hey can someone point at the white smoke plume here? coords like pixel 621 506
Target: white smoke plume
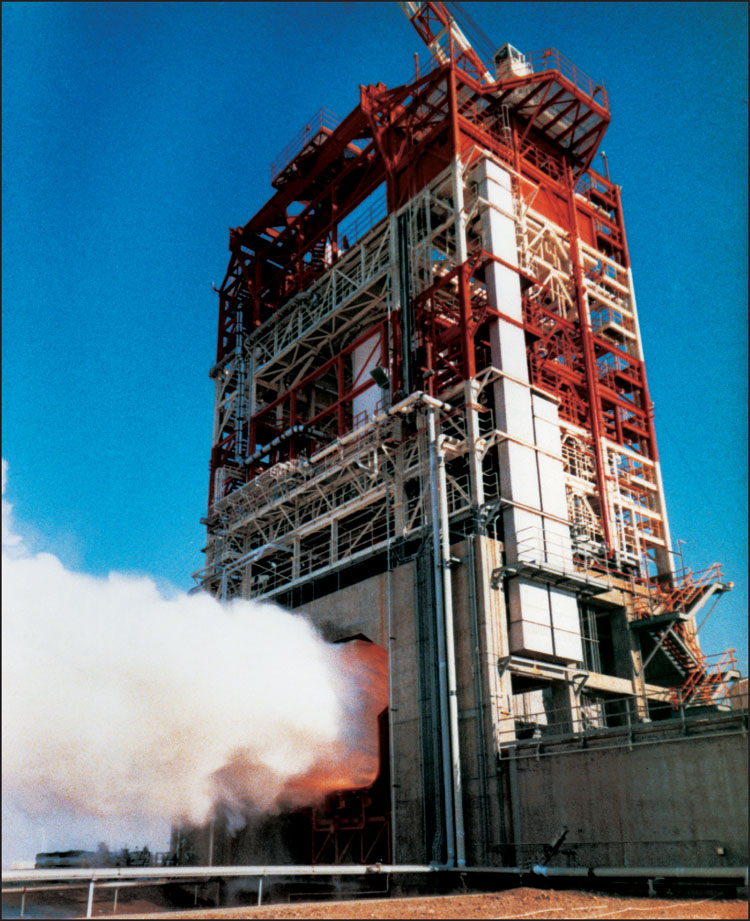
pixel 124 710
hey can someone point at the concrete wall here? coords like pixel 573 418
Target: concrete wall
pixel 397 612
pixel 670 803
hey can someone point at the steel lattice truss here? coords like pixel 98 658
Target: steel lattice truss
pixel 303 519
pixel 297 301
pixel 263 382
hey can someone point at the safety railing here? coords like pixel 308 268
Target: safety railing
pixel 603 319
pixel 366 415
pixel 535 545
pixel 590 183
pixel 552 166
pixel 551 59
pixel 708 684
pixel 351 231
pixel 323 122
pixel 534 718
pixel 661 601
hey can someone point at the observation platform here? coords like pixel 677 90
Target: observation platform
pixel 658 620
pixel 550 574
pixel 555 98
pixel 297 157
pixel 315 133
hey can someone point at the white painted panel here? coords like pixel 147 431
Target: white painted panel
pixel 503 284
pixel 543 621
pixel 535 602
pixel 515 411
pixel 530 628
pixel 522 479
pixel 552 481
pixel 364 358
pixel 564 610
pixel 547 422
pixel 529 600
pixel 507 342
pixel 530 639
pixel 568 647
pixel 566 625
pixel 527 477
pixel 522 534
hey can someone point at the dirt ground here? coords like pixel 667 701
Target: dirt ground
pixel 512 903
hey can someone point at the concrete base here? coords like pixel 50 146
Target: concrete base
pixel 675 796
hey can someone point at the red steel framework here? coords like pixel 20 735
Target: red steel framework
pixel 544 120
pixel 404 137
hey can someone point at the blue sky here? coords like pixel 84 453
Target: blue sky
pixel 136 134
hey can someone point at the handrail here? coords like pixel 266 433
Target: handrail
pixel 706 683
pixel 665 602
pixel 322 121
pixel 530 720
pixel 551 59
pixel 354 229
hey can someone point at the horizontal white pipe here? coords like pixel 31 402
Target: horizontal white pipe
pixel 401 407
pixel 160 873
pixel 99 873
pixel 111 884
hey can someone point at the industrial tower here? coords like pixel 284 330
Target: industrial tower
pixel 433 429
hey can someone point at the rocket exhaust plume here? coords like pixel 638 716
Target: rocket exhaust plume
pixel 125 711
pixel 353 761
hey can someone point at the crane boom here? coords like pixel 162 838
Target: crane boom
pixel 436 27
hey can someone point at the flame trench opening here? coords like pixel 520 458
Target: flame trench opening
pixel 337 810
pixel 354 762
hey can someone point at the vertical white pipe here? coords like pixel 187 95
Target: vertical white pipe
pixel 458 808
pixel 446 651
pixel 462 255
pixel 90 902
pixel 457 185
pixel 442 664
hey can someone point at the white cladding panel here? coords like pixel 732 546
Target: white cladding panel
pixel 530 639
pixel 364 358
pixel 552 480
pixel 530 601
pixel 503 285
pixel 566 626
pixel 543 620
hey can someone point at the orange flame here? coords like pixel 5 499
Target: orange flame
pixel 354 762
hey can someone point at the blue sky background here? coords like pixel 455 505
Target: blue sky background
pixel 135 134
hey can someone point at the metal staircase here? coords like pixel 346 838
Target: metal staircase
pixel 667 615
